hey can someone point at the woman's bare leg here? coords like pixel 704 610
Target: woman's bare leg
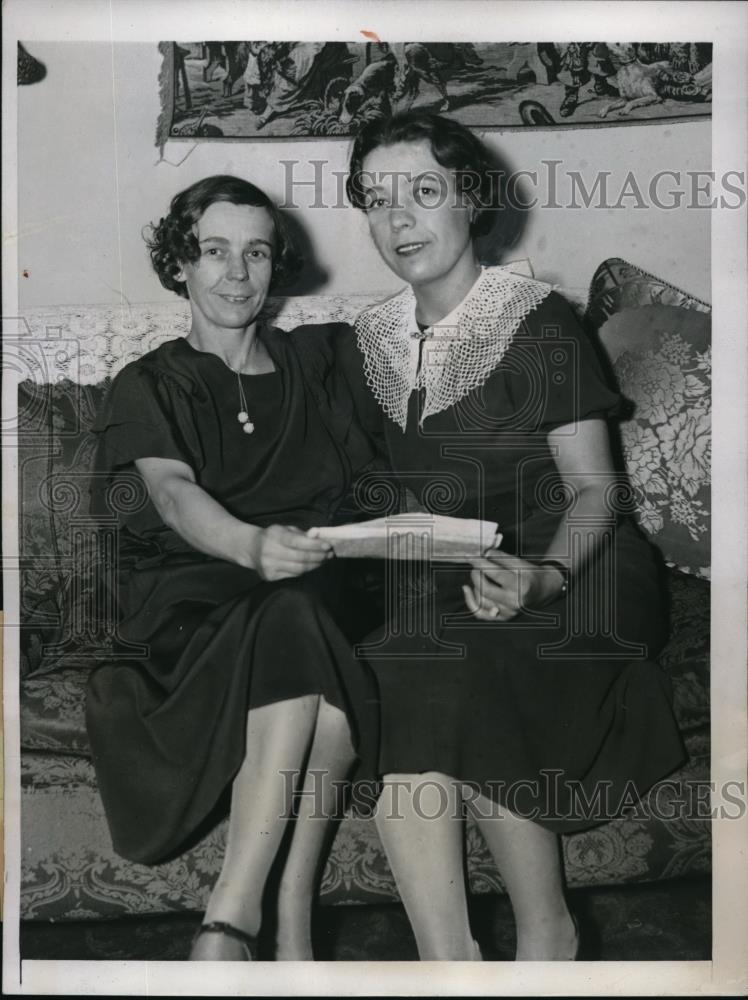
pixel 278 739
pixel 329 762
pixel 420 823
pixel 529 860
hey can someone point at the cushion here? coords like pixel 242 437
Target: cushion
pixel 662 363
pixel 617 285
pixel 658 342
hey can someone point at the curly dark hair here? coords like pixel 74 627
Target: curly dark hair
pixel 172 242
pixel 452 145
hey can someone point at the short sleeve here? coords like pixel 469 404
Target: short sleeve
pixel 137 421
pixel 561 371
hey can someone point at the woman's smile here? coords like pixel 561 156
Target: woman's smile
pixel 408 249
pixel 235 300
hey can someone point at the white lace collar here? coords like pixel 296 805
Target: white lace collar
pixel 461 350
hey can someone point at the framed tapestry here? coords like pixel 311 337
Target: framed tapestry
pixel 265 90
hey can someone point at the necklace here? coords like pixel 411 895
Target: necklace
pixel 243 416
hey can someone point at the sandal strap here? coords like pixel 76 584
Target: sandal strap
pixel 221 927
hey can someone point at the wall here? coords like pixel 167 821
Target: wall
pixel 90 178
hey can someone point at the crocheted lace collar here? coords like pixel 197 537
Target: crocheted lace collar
pixel 459 353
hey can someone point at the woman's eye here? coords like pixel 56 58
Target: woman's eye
pixel 376 203
pixel 258 254
pixel 212 252
pixel 427 194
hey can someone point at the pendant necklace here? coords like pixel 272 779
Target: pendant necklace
pixel 243 416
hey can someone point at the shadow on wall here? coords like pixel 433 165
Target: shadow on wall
pixel 313 277
pixel 513 200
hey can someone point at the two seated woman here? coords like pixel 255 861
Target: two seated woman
pixel 473 379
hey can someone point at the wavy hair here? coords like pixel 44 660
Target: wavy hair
pixel 452 145
pixel 172 242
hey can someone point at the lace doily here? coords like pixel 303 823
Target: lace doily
pixel 461 351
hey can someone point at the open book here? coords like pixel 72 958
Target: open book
pixel 412 536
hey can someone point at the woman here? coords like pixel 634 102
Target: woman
pixel 528 691
pixel 239 677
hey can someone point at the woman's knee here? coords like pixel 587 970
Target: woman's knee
pixel 332 718
pixel 420 778
pixel 290 712
pixel 292 604
pixel 427 795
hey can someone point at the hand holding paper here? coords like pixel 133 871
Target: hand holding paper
pixel 413 536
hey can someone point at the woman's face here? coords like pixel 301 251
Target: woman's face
pixel 229 282
pixel 419 223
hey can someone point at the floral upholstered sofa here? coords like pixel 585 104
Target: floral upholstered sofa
pixel 655 342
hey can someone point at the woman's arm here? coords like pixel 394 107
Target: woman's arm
pixel 276 552
pixel 509 583
pixel 584 462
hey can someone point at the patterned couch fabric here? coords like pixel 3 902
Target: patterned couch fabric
pixel 71 873
pixel 69 870
pixel 685 658
pixel 53 712
pixel 63 610
pixel 658 341
pixel 86 344
pixel 667 441
pixel 618 285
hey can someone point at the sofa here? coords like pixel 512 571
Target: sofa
pixel 654 341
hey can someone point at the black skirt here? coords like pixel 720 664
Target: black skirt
pixel 168 731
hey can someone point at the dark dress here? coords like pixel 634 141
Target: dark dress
pixel 167 722
pixel 545 711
